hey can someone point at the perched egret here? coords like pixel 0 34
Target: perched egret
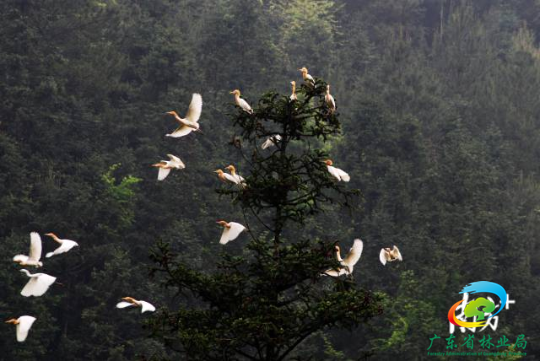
pixel 307 78
pixel 23 326
pixel 231 230
pixel 293 95
pixel 37 285
pixel 239 179
pixel 271 141
pixel 390 255
pixel 191 122
pixel 65 245
pixel 131 302
pixel 241 102
pixel 225 177
pixel 336 172
pixel 35 253
pixel 165 166
pixel 349 262
pixel 330 102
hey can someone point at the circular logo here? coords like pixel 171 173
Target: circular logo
pixel 479 306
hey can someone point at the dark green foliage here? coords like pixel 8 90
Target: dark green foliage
pixel 438 108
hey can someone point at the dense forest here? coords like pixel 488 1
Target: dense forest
pixel 439 129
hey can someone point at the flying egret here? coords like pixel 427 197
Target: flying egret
pixel 231 230
pixel 293 95
pixel 191 122
pixel 239 179
pixel 65 245
pixel 35 253
pixel 336 172
pixel 37 285
pixel 349 262
pixel 390 255
pixel 271 141
pixel 305 75
pixel 165 166
pixel 241 102
pixel 23 326
pixel 330 102
pixel 131 302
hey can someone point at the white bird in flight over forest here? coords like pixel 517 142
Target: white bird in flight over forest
pixel 349 262
pixel 165 166
pixel 241 102
pixel 305 75
pixel 35 253
pixel 131 302
pixel 330 102
pixel 293 95
pixel 271 141
pixel 23 324
pixel 231 230
pixel 38 284
pixel 390 255
pixel 65 245
pixel 339 174
pixel 191 121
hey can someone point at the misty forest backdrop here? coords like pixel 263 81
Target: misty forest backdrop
pixel 440 113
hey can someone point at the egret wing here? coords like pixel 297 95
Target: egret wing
pixel 333 171
pixel 235 230
pixel 195 108
pixel 245 106
pixel 176 160
pixel 123 304
pixel 230 178
pixel 397 253
pixel 354 253
pixel 180 132
pixel 35 247
pixel 37 286
pixel 25 322
pixel 224 236
pixel 342 175
pixel 20 258
pixel 163 173
pixel 382 256
pixel 335 273
pixel 146 306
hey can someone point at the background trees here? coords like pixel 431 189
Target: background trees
pixel 439 112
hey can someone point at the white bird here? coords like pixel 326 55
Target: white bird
pixel 238 178
pixel 231 230
pixel 37 285
pixel 241 102
pixel 225 177
pixel 65 245
pixel 35 253
pixel 390 255
pixel 349 262
pixel 165 166
pixel 330 102
pixel 293 95
pixel 191 121
pixel 271 141
pixel 307 78
pixel 339 174
pixel 131 302
pixel 23 326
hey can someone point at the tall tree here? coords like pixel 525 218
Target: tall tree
pixel 263 303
